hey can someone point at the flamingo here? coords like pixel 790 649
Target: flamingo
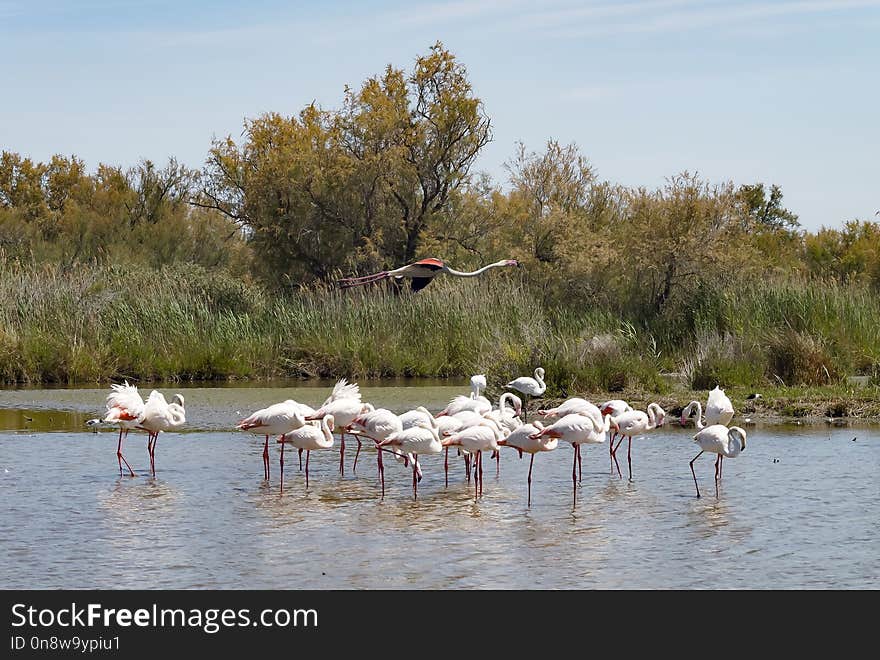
pixel 461 403
pixel 634 423
pixel 277 419
pixel 575 429
pixel 478 383
pixel 377 425
pixel 159 415
pixel 410 417
pixel 614 407
pixel 506 418
pixel 521 440
pixel 528 385
pixel 477 439
pixel 308 437
pixel 423 438
pixel 125 408
pixel 718 439
pixel 420 273
pixel 719 410
pixel 344 403
pixel 575 405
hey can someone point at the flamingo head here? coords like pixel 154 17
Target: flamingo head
pixel 330 422
pixel 607 410
pixel 511 262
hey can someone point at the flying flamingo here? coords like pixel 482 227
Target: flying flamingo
pixel 125 408
pixel 521 440
pixel 308 437
pixel 634 423
pixel 423 438
pixel 377 425
pixel 159 415
pixel 529 386
pixel 277 419
pixel 420 273
pixel 615 408
pixel 718 439
pixel 575 429
pixel 476 439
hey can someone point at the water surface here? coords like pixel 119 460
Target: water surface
pixel 798 509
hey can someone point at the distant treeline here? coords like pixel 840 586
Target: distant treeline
pixel 694 273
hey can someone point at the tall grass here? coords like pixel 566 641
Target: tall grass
pixel 93 324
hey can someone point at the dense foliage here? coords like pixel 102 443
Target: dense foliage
pixel 166 271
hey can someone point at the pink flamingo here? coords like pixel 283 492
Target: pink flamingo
pixel 521 440
pixel 634 423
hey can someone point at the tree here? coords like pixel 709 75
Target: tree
pixel 357 186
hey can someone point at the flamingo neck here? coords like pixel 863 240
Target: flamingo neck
pixel 479 271
pixel 698 420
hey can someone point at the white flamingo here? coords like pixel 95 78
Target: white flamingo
pixel 461 403
pixel 309 438
pixel 718 439
pixel 572 406
pixel 377 425
pixel 423 438
pixel 410 417
pixel 719 410
pixel 277 419
pixel 633 423
pixel 478 384
pixel 125 409
pixel 344 403
pixel 615 408
pixel 159 415
pixel 575 429
pixel 521 440
pixel 475 440
pixel 529 386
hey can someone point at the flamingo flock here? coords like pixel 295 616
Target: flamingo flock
pixel 469 423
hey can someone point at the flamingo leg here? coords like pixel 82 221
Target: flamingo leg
pixel 266 459
pixel 308 454
pixel 629 459
pixel 694 473
pixel 381 466
pixel 119 455
pixel 497 463
pixel 717 460
pixel 480 465
pixel 415 481
pixel 579 462
pixel 281 467
pixel 574 473
pixel 341 452
pixel 300 452
pixel 720 464
pixel 446 465
pixel 467 467
pixel 153 452
pixel 531 463
pixel 613 456
pixel 356 454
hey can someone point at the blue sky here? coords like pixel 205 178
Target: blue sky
pixel 781 92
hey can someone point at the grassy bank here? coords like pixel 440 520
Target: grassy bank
pixel 97 324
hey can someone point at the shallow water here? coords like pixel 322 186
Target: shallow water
pixel 798 509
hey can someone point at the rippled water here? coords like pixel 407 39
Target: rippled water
pixel 798 509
